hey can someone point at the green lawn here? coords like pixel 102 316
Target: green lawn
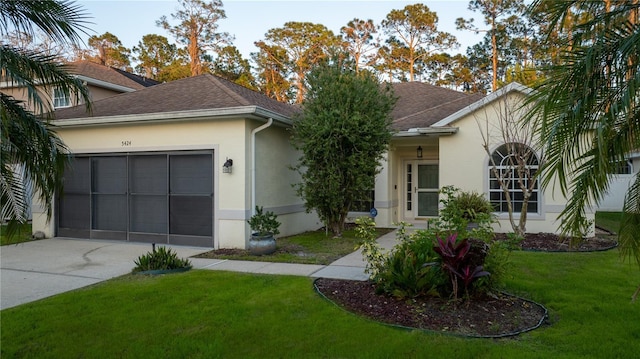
pixel 207 314
pixel 316 247
pixel 609 220
pixel 23 235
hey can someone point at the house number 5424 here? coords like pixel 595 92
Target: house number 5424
pixel 126 143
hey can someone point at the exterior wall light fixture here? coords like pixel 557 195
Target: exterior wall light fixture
pixel 227 166
pixel 419 152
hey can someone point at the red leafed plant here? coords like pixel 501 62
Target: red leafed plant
pixel 454 262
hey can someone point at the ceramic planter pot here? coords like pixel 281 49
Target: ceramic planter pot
pixel 261 245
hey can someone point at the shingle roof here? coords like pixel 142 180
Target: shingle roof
pixel 110 75
pixel 202 92
pixel 421 105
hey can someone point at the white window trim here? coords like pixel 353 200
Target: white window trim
pixel 56 98
pixel 538 215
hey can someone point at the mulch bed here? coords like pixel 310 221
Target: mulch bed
pixel 496 316
pixel 493 317
pixel 549 242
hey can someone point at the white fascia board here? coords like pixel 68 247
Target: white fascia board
pixel 514 86
pixel 104 84
pixel 88 80
pixel 415 132
pixel 230 112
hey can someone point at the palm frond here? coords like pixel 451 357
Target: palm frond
pixel 628 238
pixel 32 70
pixel 33 147
pixel 60 19
pixel 588 114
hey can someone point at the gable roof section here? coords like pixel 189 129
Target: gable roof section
pixel 109 77
pixel 421 105
pixel 503 91
pixel 204 95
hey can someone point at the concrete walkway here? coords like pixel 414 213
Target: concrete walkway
pixel 39 269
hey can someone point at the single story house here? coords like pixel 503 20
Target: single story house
pixel 185 162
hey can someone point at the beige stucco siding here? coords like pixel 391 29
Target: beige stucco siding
pixel 20 93
pixel 225 137
pixel 274 179
pixel 98 93
pixel 229 139
pixel 464 164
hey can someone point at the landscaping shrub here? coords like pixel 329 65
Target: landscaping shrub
pixel 160 259
pixel 444 259
pixel 411 268
pixel 469 214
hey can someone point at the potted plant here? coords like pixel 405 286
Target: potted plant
pixel 264 226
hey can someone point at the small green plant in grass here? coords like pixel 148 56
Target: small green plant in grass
pixel 160 259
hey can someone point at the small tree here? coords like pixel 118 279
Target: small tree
pixel 513 161
pixel 343 132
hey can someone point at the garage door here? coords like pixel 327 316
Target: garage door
pixel 149 197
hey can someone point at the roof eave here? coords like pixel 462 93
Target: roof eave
pixel 252 112
pixel 104 84
pixel 427 131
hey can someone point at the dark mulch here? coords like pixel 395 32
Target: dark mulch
pixel 549 242
pixel 502 315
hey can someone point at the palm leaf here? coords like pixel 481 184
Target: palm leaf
pixel 588 115
pixel 628 238
pixel 31 146
pixel 60 19
pixel 32 70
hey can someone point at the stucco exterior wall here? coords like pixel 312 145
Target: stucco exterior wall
pixel 464 164
pixel 232 191
pixel 98 93
pixel 226 138
pixel 20 93
pixel 274 179
pixel 613 201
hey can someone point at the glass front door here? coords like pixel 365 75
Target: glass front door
pixel 421 190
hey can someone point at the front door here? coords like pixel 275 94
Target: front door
pixel 421 190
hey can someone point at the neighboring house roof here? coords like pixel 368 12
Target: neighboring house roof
pixel 421 105
pixel 110 77
pixel 203 95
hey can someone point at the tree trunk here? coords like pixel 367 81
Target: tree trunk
pixel 194 55
pixel 494 60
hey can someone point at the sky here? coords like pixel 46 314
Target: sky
pixel 249 20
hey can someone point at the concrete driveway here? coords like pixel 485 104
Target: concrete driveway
pixel 39 269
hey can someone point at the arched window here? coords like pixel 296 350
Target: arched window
pixel 513 166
